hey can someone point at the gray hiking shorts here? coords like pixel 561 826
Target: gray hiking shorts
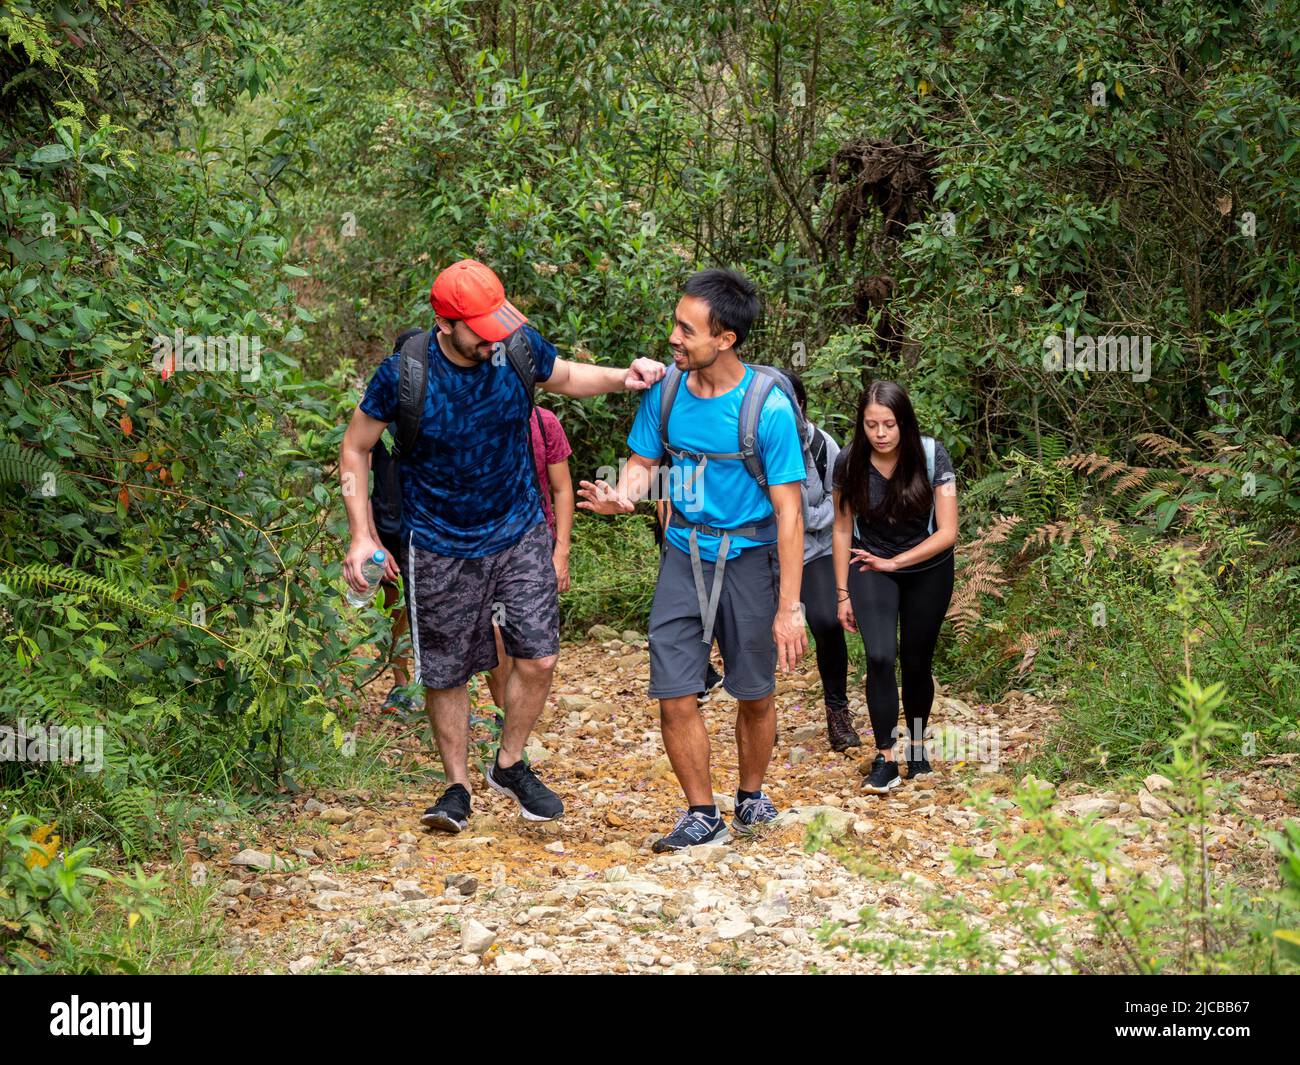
pixel 453 603
pixel 747 605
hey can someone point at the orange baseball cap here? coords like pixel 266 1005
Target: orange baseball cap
pixel 470 292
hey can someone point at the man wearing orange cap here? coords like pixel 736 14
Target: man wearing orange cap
pixel 478 546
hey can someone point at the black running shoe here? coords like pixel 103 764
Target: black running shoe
pixel 536 801
pixel 451 812
pixel 692 830
pixel 711 680
pixel 884 777
pixel 917 766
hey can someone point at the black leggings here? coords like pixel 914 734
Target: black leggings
pixel 819 607
pixel 913 605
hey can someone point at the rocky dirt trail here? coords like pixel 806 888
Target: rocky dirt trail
pixel 351 882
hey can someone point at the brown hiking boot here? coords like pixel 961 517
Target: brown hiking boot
pixel 839 725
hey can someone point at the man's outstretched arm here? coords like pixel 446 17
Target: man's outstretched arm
pixel 633 484
pixel 580 379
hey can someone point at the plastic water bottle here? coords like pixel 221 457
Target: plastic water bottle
pixel 372 570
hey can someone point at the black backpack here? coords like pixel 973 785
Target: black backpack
pixel 412 384
pixel 818 448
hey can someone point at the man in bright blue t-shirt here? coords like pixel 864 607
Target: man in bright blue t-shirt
pixel 479 549
pixel 748 597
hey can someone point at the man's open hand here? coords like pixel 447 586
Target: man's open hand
pixel 600 498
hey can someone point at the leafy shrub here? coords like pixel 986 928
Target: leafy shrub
pixel 614 564
pixel 1062 875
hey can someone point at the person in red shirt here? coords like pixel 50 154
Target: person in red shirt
pixel 551 453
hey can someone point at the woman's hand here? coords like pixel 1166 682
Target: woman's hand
pixel 845 614
pixel 869 561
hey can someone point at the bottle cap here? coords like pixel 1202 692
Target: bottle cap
pixel 378 556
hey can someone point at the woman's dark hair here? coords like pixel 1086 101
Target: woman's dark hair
pixel 732 298
pixel 909 493
pixel 800 393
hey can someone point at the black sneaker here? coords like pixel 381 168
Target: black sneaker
pixel 884 777
pixel 917 766
pixel 536 801
pixel 692 830
pixel 711 680
pixel 451 812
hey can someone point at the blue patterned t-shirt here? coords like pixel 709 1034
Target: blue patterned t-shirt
pixel 468 487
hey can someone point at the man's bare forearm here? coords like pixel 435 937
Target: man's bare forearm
pixel 789 550
pixel 354 476
pixel 582 380
pixel 634 481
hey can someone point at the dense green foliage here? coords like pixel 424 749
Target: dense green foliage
pixel 924 189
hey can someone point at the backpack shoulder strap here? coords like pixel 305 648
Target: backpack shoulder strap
pixel 751 409
pixel 541 428
pixel 760 386
pixel 520 354
pixel 672 381
pixel 819 450
pixel 927 442
pixel 412 382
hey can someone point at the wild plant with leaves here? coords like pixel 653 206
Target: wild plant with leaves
pixel 1073 900
pixel 166 555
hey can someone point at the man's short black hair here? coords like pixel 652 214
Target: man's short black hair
pixel 732 298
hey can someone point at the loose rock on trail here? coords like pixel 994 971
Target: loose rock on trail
pixel 350 881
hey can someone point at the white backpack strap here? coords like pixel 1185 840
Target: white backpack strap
pixel 927 442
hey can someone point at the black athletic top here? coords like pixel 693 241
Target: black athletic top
pixel 885 540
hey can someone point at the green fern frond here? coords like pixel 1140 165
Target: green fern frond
pixel 132 813
pixel 36 470
pixel 42 696
pixel 47 576
pixel 263 646
pixel 1051 448
pixel 988 486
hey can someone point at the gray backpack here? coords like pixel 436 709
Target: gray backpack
pixel 761 383
pixel 760 386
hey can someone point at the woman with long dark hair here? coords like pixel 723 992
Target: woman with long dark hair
pixel 895 528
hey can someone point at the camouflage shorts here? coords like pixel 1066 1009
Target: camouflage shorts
pixel 455 601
